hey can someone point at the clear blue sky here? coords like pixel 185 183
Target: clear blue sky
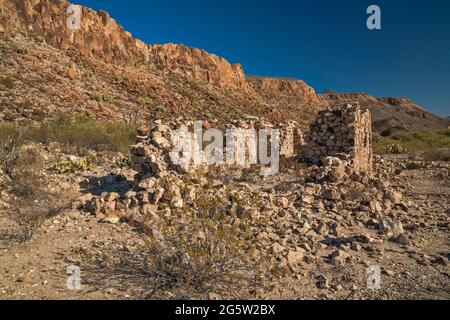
pixel 324 42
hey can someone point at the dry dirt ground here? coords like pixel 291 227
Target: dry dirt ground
pixel 419 270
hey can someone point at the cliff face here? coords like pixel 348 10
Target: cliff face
pixel 198 64
pixel 101 37
pixel 288 87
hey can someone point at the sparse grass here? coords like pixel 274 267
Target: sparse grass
pixel 79 133
pixel 413 141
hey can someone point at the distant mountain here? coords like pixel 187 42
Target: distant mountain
pixel 392 114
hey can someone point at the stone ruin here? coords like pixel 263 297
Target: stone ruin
pixel 344 132
pixel 340 141
pixel 151 156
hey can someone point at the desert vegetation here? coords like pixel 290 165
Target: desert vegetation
pixel 28 200
pixel 77 133
pixel 431 143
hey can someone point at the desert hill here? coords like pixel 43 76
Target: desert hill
pixel 390 115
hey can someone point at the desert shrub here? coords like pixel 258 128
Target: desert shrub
pixel 39 39
pixel 72 166
pixel 193 258
pixel 123 79
pixel 122 161
pixel 101 97
pixel 394 149
pixel 143 101
pixel 9 152
pixel 87 73
pixel 28 201
pixel 22 51
pixel 160 108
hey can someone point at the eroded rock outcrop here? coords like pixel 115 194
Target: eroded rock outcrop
pixel 101 37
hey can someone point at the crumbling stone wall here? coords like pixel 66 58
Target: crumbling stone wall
pixel 151 156
pixel 343 130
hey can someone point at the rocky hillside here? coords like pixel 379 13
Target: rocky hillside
pixel 102 71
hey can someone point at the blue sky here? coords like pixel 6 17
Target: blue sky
pixel 324 42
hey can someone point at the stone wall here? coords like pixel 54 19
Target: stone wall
pixel 151 156
pixel 342 131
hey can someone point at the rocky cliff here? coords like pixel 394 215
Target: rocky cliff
pixel 101 37
pixel 103 70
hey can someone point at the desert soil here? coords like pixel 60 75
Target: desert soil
pixel 418 270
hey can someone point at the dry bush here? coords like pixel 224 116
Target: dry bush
pixel 186 258
pixel 28 201
pixel 193 258
pixel 9 152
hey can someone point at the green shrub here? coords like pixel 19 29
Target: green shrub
pixel 39 39
pixel 22 51
pixel 122 79
pixel 72 166
pixel 122 162
pixel 160 108
pixel 87 73
pixel 101 97
pixel 143 101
